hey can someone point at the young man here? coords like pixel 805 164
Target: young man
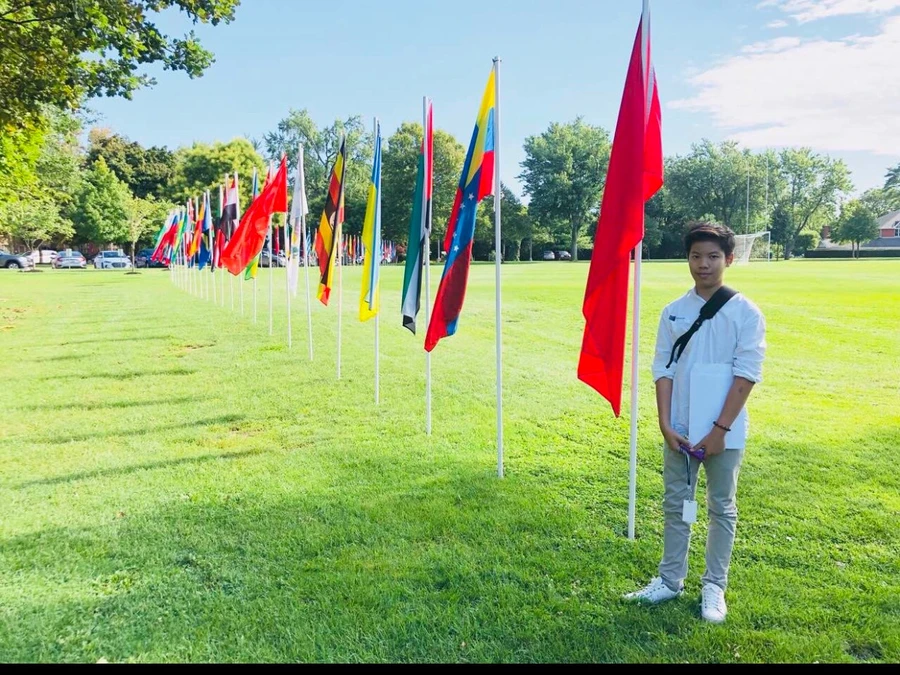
pixel 733 338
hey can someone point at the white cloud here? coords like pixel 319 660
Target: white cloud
pixel 804 11
pixel 777 24
pixel 772 46
pixel 832 95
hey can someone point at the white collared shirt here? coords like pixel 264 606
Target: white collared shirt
pixel 736 336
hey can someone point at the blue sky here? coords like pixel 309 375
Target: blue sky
pixel 766 72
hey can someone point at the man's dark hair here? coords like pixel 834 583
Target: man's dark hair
pixel 706 231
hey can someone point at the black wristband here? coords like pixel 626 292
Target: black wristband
pixel 721 426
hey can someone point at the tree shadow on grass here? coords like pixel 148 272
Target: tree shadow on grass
pixel 374 560
pixel 136 338
pixel 444 567
pixel 63 438
pixel 62 357
pixel 119 375
pixel 126 470
pixel 109 405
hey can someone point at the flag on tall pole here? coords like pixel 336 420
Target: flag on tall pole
pixel 272 236
pixel 329 232
pixel 419 241
pixel 164 248
pixel 370 293
pixel 228 216
pixel 251 233
pixel 635 174
pixel 371 238
pixel 299 208
pixel 253 266
pixel 205 222
pixel 475 183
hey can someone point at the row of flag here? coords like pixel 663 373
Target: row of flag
pixel 192 231
pixel 635 174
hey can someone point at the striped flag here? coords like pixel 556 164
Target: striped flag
pixel 475 183
pixel 327 236
pixel 369 300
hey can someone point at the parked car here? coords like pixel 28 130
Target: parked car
pixel 70 259
pixel 548 255
pixel 280 259
pixel 109 260
pixel 142 259
pixel 43 257
pixel 13 261
pixel 563 255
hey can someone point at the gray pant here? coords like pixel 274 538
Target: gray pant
pixel 721 485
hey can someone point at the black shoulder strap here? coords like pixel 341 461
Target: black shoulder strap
pixel 708 311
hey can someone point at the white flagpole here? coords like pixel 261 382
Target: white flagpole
pixel 238 214
pixel 287 283
pixel 212 257
pixel 497 256
pixel 187 259
pixel 254 277
pixel 271 271
pixel 340 244
pixel 195 280
pixel 635 337
pixel 636 310
pixel 208 273
pixel 271 261
pixel 376 260
pixel 303 226
pixel 426 261
pixel 230 275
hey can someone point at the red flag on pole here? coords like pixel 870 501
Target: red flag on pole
pixel 248 240
pixel 635 174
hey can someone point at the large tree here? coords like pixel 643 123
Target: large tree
pixel 320 149
pixel 99 208
pixel 399 168
pixel 813 185
pixel 892 178
pixel 203 167
pixel 563 174
pixel 146 171
pixel 856 224
pixel 41 161
pixel 143 218
pixel 664 225
pixel 712 180
pixel 881 200
pixel 59 51
pixel 32 223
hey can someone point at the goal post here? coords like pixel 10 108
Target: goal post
pixel 755 247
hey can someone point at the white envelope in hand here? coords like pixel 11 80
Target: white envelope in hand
pixel 710 383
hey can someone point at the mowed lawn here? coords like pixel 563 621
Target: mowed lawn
pixel 176 485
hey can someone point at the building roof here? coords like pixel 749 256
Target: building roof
pixel 891 219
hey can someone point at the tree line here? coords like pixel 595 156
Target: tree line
pixel 111 190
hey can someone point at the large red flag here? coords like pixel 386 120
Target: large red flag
pixel 635 174
pixel 248 240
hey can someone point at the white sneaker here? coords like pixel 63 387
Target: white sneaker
pixel 654 593
pixel 712 604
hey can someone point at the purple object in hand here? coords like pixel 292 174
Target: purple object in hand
pixel 699 455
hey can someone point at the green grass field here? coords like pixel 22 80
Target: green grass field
pixel 176 485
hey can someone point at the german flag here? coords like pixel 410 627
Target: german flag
pixel 329 232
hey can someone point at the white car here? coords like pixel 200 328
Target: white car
pixel 44 257
pixel 112 260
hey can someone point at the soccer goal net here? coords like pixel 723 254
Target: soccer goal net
pixel 747 247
